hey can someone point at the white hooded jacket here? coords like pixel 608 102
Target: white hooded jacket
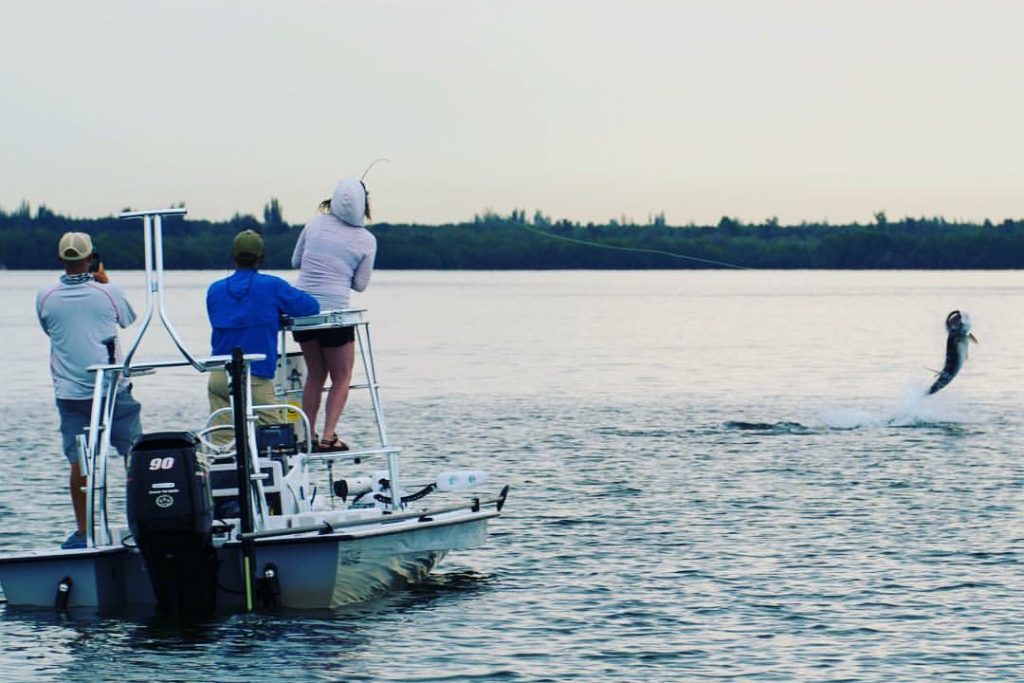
pixel 335 253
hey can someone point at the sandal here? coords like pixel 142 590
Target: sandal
pixel 332 444
pixel 314 443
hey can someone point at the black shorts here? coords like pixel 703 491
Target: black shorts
pixel 329 337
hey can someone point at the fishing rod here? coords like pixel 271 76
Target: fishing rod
pixel 372 164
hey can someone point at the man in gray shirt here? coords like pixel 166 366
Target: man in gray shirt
pixel 81 317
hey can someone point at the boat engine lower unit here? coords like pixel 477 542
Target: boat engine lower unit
pixel 170 514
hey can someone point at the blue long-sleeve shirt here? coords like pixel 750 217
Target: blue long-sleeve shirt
pixel 245 310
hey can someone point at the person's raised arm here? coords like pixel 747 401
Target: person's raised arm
pixel 299 246
pixel 99 273
pixel 125 312
pixel 39 313
pixel 293 302
pixel 361 278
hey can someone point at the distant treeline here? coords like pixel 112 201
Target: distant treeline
pixel 28 240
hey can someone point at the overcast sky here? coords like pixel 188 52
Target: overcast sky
pixel 587 110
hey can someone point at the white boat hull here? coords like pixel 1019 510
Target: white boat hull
pixel 314 571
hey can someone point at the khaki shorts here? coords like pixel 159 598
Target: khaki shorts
pixel 220 397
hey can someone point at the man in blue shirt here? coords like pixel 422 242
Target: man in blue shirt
pixel 245 310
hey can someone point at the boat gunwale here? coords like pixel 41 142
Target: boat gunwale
pixel 400 527
pixel 64 555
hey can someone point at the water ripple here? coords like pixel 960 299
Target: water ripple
pixel 699 531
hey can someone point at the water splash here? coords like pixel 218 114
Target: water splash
pixel 912 409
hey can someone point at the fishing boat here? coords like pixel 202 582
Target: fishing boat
pixel 245 516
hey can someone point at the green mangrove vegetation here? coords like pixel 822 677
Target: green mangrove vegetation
pixel 489 241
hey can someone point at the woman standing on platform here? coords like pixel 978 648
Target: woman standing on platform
pixel 334 255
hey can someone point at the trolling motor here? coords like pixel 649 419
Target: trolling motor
pixel 170 513
pixel 375 491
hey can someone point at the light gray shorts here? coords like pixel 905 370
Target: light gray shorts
pixel 74 418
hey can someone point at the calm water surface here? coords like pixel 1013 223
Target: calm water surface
pixel 716 475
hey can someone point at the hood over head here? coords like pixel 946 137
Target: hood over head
pixel 348 203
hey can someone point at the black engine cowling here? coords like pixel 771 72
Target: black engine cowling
pixel 170 513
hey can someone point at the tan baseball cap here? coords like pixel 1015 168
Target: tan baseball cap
pixel 74 246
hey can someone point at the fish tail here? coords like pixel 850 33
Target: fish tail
pixel 944 379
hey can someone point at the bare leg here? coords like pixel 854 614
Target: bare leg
pixel 316 375
pixel 77 482
pixel 340 361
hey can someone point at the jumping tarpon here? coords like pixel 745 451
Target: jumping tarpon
pixel 958 326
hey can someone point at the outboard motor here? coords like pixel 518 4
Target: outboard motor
pixel 170 513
